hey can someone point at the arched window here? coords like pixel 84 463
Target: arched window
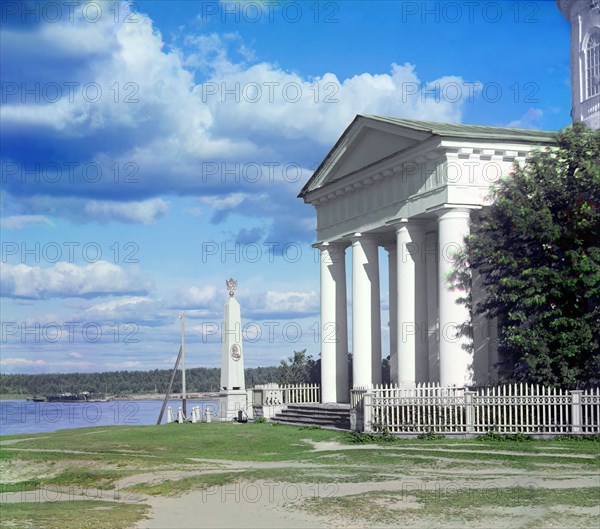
pixel 592 64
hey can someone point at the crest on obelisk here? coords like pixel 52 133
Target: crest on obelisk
pixel 231 286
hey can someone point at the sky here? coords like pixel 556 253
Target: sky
pixel 151 150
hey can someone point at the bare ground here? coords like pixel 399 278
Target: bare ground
pixel 270 504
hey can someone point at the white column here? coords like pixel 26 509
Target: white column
pixel 456 357
pixel 328 318
pixel 433 340
pixel 341 343
pixel 334 337
pixel 413 361
pixel 372 249
pixel 366 315
pixel 393 310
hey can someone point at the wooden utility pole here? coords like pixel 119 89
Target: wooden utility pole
pixel 183 389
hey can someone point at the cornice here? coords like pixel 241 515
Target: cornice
pixel 431 150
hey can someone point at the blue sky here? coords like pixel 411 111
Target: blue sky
pixel 150 151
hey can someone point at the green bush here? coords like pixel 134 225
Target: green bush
pixel 594 438
pixel 496 436
pixel 430 435
pixel 356 437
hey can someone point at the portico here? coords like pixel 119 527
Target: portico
pixel 413 188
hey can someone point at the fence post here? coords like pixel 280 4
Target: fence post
pixel 469 415
pixel 368 412
pixel 576 411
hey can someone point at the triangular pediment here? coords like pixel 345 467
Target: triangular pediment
pixel 365 142
pixel 370 140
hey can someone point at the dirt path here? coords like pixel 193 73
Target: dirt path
pixel 272 504
pixel 329 446
pixel 275 504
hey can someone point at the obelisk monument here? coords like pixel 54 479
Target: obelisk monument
pixel 233 385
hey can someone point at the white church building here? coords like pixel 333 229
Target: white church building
pixel 414 188
pixel 584 17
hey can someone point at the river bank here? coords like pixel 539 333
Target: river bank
pixel 137 396
pixel 173 396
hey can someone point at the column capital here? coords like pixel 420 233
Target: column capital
pixel 340 243
pixel 364 238
pixel 453 210
pixel 404 222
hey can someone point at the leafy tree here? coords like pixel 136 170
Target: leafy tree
pixel 300 369
pixel 537 249
pixel 126 382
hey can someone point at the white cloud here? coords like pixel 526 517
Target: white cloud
pixel 138 310
pixel 282 304
pixel 44 364
pixel 19 361
pixel 203 299
pixel 17 222
pixel 70 280
pixel 300 302
pixel 230 201
pixel 244 110
pixel 172 111
pixel 81 210
pixel 266 100
pixel 529 120
pixel 126 365
pixel 145 212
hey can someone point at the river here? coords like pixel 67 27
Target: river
pixel 23 417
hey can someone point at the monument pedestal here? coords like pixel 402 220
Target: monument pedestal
pixel 230 403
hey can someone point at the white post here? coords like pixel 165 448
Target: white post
pixel 576 411
pixel 469 412
pixel 170 417
pixel 456 358
pixel 413 361
pixel 249 400
pixel 367 404
pixel 334 333
pixel 366 318
pixel 180 418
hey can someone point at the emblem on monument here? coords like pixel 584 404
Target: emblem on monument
pixel 235 352
pixel 231 285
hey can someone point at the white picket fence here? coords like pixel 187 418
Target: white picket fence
pixel 505 409
pixel 277 395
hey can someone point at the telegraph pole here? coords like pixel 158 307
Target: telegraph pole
pixel 183 392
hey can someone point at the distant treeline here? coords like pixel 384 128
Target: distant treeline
pixel 128 382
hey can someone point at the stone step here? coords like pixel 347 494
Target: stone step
pixel 344 425
pixel 326 416
pixel 309 406
pixel 316 413
pixel 310 418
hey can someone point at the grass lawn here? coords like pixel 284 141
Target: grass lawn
pixel 406 482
